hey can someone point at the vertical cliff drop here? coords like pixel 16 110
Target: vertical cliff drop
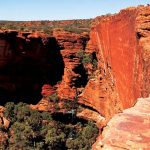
pixel 121 44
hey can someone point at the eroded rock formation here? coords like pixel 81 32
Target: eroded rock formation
pixel 128 130
pixel 121 45
pixel 28 61
pixel 114 73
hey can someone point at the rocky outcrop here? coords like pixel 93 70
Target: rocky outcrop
pixel 143 34
pixel 47 90
pixel 121 44
pixel 120 47
pixel 34 61
pixel 74 72
pixel 128 130
pixel 110 73
pixel 4 123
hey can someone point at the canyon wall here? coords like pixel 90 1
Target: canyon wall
pixel 121 42
pixel 116 75
pixel 117 42
pixel 27 62
pixel 30 60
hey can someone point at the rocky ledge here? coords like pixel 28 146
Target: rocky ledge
pixel 128 130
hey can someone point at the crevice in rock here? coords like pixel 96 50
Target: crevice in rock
pixel 84 43
pixel 94 56
pixel 139 35
pixel 88 107
pixel 82 79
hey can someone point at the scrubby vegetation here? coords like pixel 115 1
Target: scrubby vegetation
pixel 53 98
pixel 76 26
pixel 30 129
pixel 87 58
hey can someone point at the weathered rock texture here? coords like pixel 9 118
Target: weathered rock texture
pixel 128 130
pixel 74 72
pixel 121 43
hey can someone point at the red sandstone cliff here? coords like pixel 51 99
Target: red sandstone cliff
pixel 120 44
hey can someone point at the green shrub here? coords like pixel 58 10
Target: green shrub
pixel 57 108
pixel 53 97
pixel 29 131
pixel 22 111
pixel 23 133
pixel 80 54
pixel 67 104
pixel 94 62
pixel 87 58
pixel 46 116
pixel 9 111
pixel 53 138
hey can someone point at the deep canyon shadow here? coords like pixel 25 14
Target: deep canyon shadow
pixel 31 65
pixel 68 118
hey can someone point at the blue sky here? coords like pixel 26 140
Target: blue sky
pixel 61 9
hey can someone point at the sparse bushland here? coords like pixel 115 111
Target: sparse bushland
pixel 30 129
pixel 75 26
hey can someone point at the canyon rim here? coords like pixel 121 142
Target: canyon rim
pixel 103 72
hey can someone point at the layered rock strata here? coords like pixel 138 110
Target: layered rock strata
pixel 109 82
pixel 121 43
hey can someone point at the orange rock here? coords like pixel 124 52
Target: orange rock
pixel 130 129
pixel 6 123
pixel 3 121
pixel 47 90
pixel 121 43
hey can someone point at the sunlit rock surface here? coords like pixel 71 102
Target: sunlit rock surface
pixel 120 45
pixel 129 129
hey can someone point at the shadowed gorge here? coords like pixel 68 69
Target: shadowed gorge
pixel 82 80
pixel 96 75
pixel 28 66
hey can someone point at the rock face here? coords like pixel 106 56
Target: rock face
pixel 121 43
pixel 110 73
pixel 74 71
pixel 128 130
pixel 47 90
pixel 143 33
